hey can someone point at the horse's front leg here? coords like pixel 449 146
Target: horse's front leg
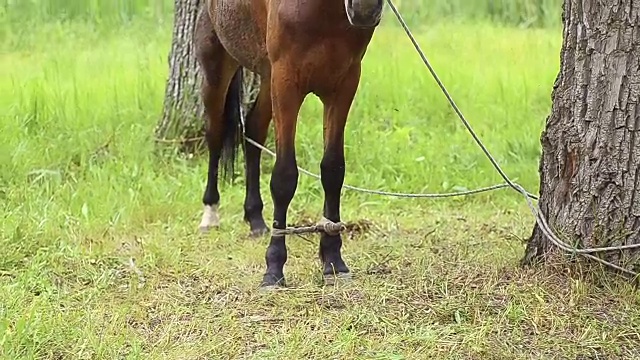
pixel 332 167
pixel 287 99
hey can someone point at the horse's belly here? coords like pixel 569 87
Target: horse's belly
pixel 241 27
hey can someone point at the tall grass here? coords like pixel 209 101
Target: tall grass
pixel 508 12
pixel 528 13
pixel 21 11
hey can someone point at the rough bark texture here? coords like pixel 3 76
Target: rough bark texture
pixel 182 120
pixel 590 166
pixel 250 89
pixel 183 110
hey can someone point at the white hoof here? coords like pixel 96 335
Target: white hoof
pixel 210 218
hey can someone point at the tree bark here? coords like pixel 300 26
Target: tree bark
pixel 182 119
pixel 590 165
pixel 182 114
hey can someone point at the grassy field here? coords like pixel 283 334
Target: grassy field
pixel 523 13
pixel 101 258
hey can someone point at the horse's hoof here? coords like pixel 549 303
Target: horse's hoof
pixel 205 229
pixel 258 233
pixel 272 282
pixel 210 219
pixel 338 278
pixel 271 288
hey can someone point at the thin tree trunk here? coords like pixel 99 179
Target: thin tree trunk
pixel 182 119
pixel 590 166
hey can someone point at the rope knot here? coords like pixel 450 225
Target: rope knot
pixel 330 228
pixel 324 225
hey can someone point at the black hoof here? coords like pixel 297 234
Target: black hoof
pixel 338 278
pixel 257 225
pixel 259 232
pixel 270 282
pixel 271 288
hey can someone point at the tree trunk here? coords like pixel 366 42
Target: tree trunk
pixel 182 116
pixel 182 119
pixel 590 166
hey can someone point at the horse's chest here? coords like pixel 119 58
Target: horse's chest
pixel 331 57
pixel 325 65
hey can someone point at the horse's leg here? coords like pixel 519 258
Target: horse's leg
pixel 218 68
pixel 332 169
pixel 287 99
pixel 257 128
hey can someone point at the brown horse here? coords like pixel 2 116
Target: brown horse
pixel 297 47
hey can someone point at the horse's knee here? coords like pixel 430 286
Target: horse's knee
pixel 284 178
pixel 283 184
pixel 332 163
pixel 332 171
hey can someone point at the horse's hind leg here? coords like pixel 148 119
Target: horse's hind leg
pixel 257 128
pixel 220 128
pixel 332 170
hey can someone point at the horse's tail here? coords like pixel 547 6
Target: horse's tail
pixel 232 133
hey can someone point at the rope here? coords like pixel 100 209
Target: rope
pixel 325 225
pixel 387 193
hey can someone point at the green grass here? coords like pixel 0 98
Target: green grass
pixel 100 253
pixel 525 13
